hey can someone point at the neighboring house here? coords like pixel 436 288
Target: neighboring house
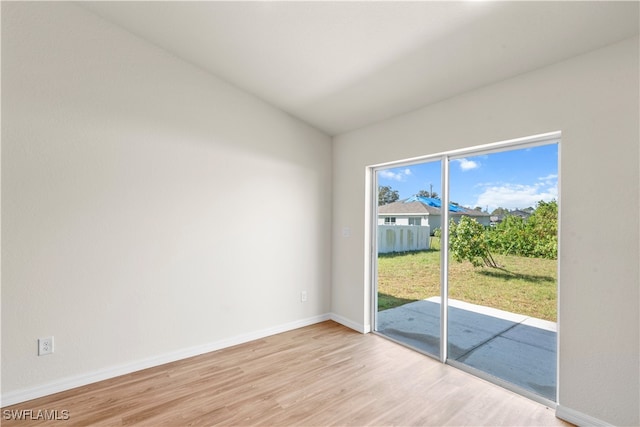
pixel 524 214
pixel 425 211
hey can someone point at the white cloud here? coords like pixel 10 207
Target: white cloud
pixel 512 196
pixel 467 165
pixel 389 174
pixel 483 184
pixel 550 177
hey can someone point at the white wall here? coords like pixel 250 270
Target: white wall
pixel 593 100
pixel 134 188
pixel 400 219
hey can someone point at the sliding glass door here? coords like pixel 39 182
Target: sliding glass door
pixel 481 292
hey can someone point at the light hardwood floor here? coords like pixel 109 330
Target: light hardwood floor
pixel 319 375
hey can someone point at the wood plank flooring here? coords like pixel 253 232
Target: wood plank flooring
pixel 320 375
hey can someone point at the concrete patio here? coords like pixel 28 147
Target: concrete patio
pixel 513 347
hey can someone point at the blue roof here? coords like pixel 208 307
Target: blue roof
pixel 436 203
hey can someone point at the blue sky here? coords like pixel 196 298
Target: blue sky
pixel 509 179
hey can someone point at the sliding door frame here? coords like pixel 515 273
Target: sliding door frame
pixel 372 259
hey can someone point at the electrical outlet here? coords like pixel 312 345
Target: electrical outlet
pixel 303 296
pixel 45 346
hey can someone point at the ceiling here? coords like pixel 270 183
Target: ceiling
pixel 340 66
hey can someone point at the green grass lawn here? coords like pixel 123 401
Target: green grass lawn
pixel 521 285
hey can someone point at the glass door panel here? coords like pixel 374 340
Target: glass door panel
pixel 408 256
pixel 502 266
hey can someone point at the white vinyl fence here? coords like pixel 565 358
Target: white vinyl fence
pixel 402 238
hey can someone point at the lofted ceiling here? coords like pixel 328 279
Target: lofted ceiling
pixel 343 65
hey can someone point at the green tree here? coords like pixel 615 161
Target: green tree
pixel 387 195
pixel 543 230
pixel 510 237
pixel 536 236
pixel 467 241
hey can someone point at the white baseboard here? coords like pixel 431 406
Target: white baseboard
pixel 13 397
pixel 578 418
pixel 363 329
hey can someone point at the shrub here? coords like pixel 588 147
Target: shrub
pixel 467 241
pixel 535 237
